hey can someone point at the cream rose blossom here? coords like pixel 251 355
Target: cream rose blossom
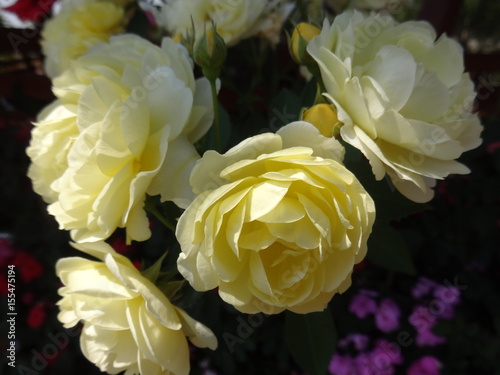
pixel 234 19
pixel 69 34
pixel 128 323
pixel 278 224
pixel 402 96
pixel 122 126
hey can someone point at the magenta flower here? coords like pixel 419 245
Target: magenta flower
pixel 364 365
pixel 387 316
pixel 422 319
pixel 362 304
pixel 359 341
pixel 445 311
pixel 390 351
pixel 341 365
pixel 428 338
pixel 373 364
pixel 426 365
pixel 423 287
pixel 450 295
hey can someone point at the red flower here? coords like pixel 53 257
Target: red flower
pixel 28 267
pixel 120 246
pixel 31 10
pixel 137 264
pixel 36 316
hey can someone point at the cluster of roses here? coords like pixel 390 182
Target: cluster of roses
pixel 277 222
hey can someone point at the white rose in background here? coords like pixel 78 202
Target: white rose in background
pixel 403 97
pixel 234 19
pixel 278 224
pixel 122 126
pixel 80 25
pixel 128 323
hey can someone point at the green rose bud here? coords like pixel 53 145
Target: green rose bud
pixel 210 53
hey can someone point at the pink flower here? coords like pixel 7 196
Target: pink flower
pixel 341 365
pixel 364 365
pixel 387 316
pixel 362 304
pixel 426 365
pixel 428 338
pixel 373 364
pixel 450 295
pixel 359 341
pixel 390 351
pixel 422 319
pixel 423 287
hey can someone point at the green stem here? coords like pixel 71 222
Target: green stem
pixel 151 207
pixel 215 103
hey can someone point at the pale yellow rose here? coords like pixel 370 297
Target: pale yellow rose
pixel 69 34
pixel 128 323
pixel 234 19
pixel 279 222
pixel 122 127
pixel 402 96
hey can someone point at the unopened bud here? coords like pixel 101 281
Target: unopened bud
pixel 301 37
pixel 210 52
pixel 324 118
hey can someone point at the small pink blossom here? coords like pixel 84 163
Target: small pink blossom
pixel 450 295
pixel 390 350
pixel 428 338
pixel 426 365
pixel 341 365
pixel 364 365
pixel 387 316
pixel 359 341
pixel 362 305
pixel 422 319
pixel 424 286
pixel 373 364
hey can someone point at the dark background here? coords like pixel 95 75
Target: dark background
pixel 456 239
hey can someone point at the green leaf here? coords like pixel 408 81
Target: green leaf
pixel 171 288
pixel 153 271
pixel 386 248
pixel 311 340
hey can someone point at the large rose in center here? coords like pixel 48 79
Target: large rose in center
pixel 276 226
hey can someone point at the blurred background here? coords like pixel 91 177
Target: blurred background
pixel 454 243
